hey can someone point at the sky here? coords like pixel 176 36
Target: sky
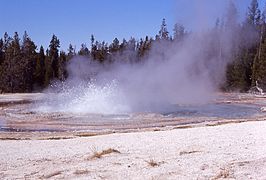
pixel 73 21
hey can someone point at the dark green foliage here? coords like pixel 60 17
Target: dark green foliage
pixel 238 73
pixel 179 32
pixel 254 14
pixel 163 33
pixel 247 66
pixel 48 69
pixel 53 53
pixel 259 65
pixel 144 47
pixel 11 79
pixel 71 52
pixel 39 74
pixel 84 51
pixel 28 63
pixel 1 51
pixel 62 73
pixel 99 52
pixel 23 69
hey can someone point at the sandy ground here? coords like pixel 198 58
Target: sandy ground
pixel 232 151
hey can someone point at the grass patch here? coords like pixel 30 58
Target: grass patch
pixel 225 122
pixel 87 134
pixel 12 138
pixel 153 163
pixel 52 174
pixel 183 127
pixel 224 173
pixel 188 152
pixel 81 172
pixel 98 155
pixel 56 138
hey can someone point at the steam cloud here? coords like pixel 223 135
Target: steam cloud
pixel 184 72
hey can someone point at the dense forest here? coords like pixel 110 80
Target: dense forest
pixel 26 68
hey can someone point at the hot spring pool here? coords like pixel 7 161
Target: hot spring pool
pixel 226 111
pixel 19 117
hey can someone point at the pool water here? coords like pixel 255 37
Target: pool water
pixel 227 111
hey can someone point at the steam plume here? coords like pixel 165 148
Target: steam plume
pixel 184 72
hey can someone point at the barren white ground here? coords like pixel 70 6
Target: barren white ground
pixel 233 151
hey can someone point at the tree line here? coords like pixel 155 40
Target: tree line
pixel 24 68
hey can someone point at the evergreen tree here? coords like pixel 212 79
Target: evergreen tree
pixel 5 44
pixel 128 51
pixel 92 40
pixel 1 51
pixel 254 14
pixel 39 74
pixel 71 52
pixel 11 75
pixel 144 47
pixel 54 56
pixel 2 58
pixel 179 32
pixel 7 41
pixel 62 73
pixel 48 69
pixel 163 33
pixel 259 65
pixel 84 51
pixel 114 47
pixel 93 48
pixel 28 63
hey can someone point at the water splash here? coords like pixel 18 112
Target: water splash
pixel 86 98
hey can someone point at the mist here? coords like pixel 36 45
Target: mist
pixel 187 71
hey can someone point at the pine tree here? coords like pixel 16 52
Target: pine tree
pixel 254 14
pixel 71 52
pixel 132 50
pixel 48 69
pixel 5 43
pixel 84 51
pixel 163 33
pixel 1 51
pixel 114 47
pixel 259 66
pixel 144 47
pixel 237 76
pixel 39 74
pixel 92 40
pixel 179 32
pixel 93 48
pixel 28 62
pixel 54 56
pixel 62 73
pixel 2 58
pixel 14 74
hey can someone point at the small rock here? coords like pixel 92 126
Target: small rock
pixel 263 109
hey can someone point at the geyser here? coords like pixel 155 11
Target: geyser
pixel 186 71
pixel 180 77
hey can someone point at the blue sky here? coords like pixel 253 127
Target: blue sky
pixel 73 21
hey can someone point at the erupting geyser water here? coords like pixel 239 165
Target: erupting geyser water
pixel 86 98
pixel 186 71
pixel 125 88
pixel 179 77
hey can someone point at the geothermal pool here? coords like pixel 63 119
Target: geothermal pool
pixel 18 116
pixel 214 110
